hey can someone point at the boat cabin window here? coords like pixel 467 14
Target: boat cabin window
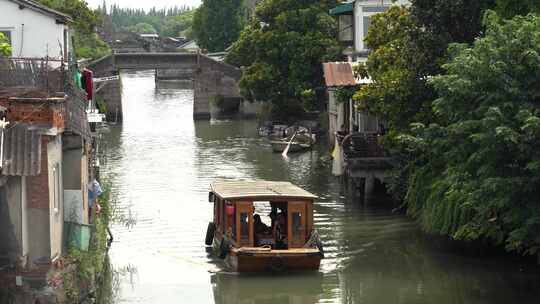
pixel 280 225
pixel 244 223
pixel 270 224
pixel 298 224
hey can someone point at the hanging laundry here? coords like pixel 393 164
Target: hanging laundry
pixel 83 82
pixel 78 79
pixel 89 83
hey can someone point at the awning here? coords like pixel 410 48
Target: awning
pixel 338 74
pixel 22 151
pixel 343 8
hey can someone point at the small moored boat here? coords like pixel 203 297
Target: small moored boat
pixel 263 226
pixel 300 142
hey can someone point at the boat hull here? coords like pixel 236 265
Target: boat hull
pixel 279 147
pixel 281 261
pixel 257 260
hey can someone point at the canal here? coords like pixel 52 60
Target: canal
pixel 160 163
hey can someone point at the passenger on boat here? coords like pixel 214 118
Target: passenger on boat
pixel 260 227
pixel 263 233
pixel 280 231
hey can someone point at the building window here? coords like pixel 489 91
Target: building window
pixel 346 28
pixel 7 34
pixel 367 23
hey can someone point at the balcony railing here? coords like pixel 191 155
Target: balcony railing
pixel 41 74
pixel 362 145
pixel 52 77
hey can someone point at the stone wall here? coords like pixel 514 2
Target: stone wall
pixel 111 94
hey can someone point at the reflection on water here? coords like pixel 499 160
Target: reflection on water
pixel 161 163
pixel 251 289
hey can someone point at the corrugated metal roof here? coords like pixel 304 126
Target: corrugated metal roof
pixel 338 74
pixel 22 151
pixel 238 189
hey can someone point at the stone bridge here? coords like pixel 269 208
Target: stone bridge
pixel 213 81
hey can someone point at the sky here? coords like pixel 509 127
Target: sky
pixel 146 4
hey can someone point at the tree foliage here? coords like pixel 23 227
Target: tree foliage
pixel 87 43
pixel 142 28
pixel 5 47
pixel 401 60
pixel 217 23
pixel 281 52
pixel 510 8
pixel 409 46
pixel 477 174
pixel 171 22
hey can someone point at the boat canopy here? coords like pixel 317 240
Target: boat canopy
pixel 259 190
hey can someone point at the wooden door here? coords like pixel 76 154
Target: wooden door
pixel 244 224
pixel 297 224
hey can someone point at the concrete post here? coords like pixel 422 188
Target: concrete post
pixel 370 185
pixel 24 220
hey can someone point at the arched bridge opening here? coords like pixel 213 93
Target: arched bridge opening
pixel 212 80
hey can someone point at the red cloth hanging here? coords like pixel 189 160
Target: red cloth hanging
pixel 88 83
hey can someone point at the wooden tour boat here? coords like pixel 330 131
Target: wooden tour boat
pixel 239 235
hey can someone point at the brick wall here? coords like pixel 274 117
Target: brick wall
pixel 35 112
pixel 38 186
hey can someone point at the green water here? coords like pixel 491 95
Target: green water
pixel 161 163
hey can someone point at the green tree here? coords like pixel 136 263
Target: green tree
pixel 409 46
pixel 5 47
pixel 87 43
pixel 217 23
pixel 510 8
pixel 281 52
pixel 178 25
pixel 142 28
pixel 477 171
pixel 166 22
pixel 399 67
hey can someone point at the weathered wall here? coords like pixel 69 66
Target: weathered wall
pixel 38 186
pixel 75 173
pixel 33 34
pixel 209 86
pixel 111 94
pixel 8 235
pixel 13 195
pixel 56 192
pixel 38 235
pixel 46 112
pixel 186 74
pixel 250 109
pixel 37 189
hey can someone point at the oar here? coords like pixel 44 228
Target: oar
pixel 289 145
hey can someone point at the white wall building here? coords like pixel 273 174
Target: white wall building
pixel 34 30
pixel 354 19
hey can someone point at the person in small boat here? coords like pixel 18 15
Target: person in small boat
pixel 260 227
pixel 280 231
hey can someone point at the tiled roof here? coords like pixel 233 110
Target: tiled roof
pixel 338 74
pixel 38 7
